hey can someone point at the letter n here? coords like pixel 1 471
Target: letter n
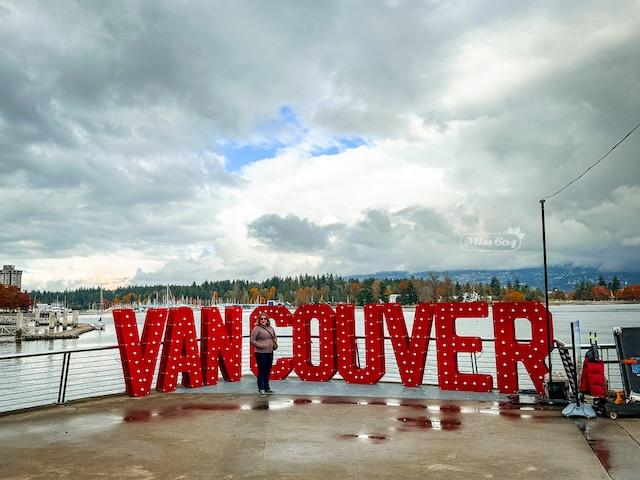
pixel 348 366
pixel 180 352
pixel 509 351
pixel 221 345
pixel 138 358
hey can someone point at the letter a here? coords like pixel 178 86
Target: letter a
pixel 180 352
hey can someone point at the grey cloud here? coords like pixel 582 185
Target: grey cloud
pixel 290 233
pixel 384 240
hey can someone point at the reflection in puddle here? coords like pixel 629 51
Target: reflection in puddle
pixel 176 411
pixel 363 436
pixel 429 423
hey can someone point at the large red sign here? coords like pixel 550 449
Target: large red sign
pixel 172 331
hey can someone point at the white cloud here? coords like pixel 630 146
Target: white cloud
pixel 115 121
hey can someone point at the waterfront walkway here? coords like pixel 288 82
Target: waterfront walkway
pixel 314 431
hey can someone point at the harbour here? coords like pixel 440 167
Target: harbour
pixel 84 350
pixel 599 318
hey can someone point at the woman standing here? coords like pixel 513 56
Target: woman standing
pixel 262 337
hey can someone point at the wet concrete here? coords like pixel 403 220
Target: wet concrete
pixel 615 443
pixel 197 434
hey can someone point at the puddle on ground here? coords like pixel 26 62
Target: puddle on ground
pixel 366 437
pixel 429 423
pixel 176 411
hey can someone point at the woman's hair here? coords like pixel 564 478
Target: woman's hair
pixel 260 316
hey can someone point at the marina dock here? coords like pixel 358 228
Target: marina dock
pixel 314 430
pixel 72 332
pixel 25 327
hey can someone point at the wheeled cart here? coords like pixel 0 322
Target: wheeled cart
pixel 627 341
pixel 623 409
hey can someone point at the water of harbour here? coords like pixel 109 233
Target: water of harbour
pixel 600 318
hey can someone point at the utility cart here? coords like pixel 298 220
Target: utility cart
pixel 627 340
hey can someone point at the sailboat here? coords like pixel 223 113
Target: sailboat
pixel 99 325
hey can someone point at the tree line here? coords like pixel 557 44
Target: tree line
pixel 603 290
pixel 305 289
pixel 294 291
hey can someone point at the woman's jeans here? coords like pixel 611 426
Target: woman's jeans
pixel 265 361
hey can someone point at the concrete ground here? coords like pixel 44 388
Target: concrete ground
pixel 314 431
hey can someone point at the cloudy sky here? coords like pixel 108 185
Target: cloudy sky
pixel 175 142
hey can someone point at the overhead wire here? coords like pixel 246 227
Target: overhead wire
pixel 605 156
pixel 544 246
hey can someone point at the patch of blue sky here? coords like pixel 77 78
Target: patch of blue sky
pixel 339 145
pixel 269 138
pixel 240 155
pixel 286 114
pixel 274 135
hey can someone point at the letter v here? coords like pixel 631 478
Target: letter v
pixel 410 352
pixel 138 358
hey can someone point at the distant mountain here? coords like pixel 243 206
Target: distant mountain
pixel 560 277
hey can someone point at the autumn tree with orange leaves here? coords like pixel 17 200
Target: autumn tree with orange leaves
pixel 600 292
pixel 513 296
pixel 631 292
pixel 354 290
pixel 254 293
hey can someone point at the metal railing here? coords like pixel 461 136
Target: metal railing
pixel 32 380
pixel 10 330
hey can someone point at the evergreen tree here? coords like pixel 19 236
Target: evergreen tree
pixel 384 294
pixel 615 285
pixel 495 288
pixel 410 295
pixel 366 292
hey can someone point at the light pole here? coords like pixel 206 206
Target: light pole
pixel 546 293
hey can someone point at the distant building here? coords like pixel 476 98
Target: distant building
pixel 9 276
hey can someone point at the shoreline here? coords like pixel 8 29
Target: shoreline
pixel 8 318
pixel 593 302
